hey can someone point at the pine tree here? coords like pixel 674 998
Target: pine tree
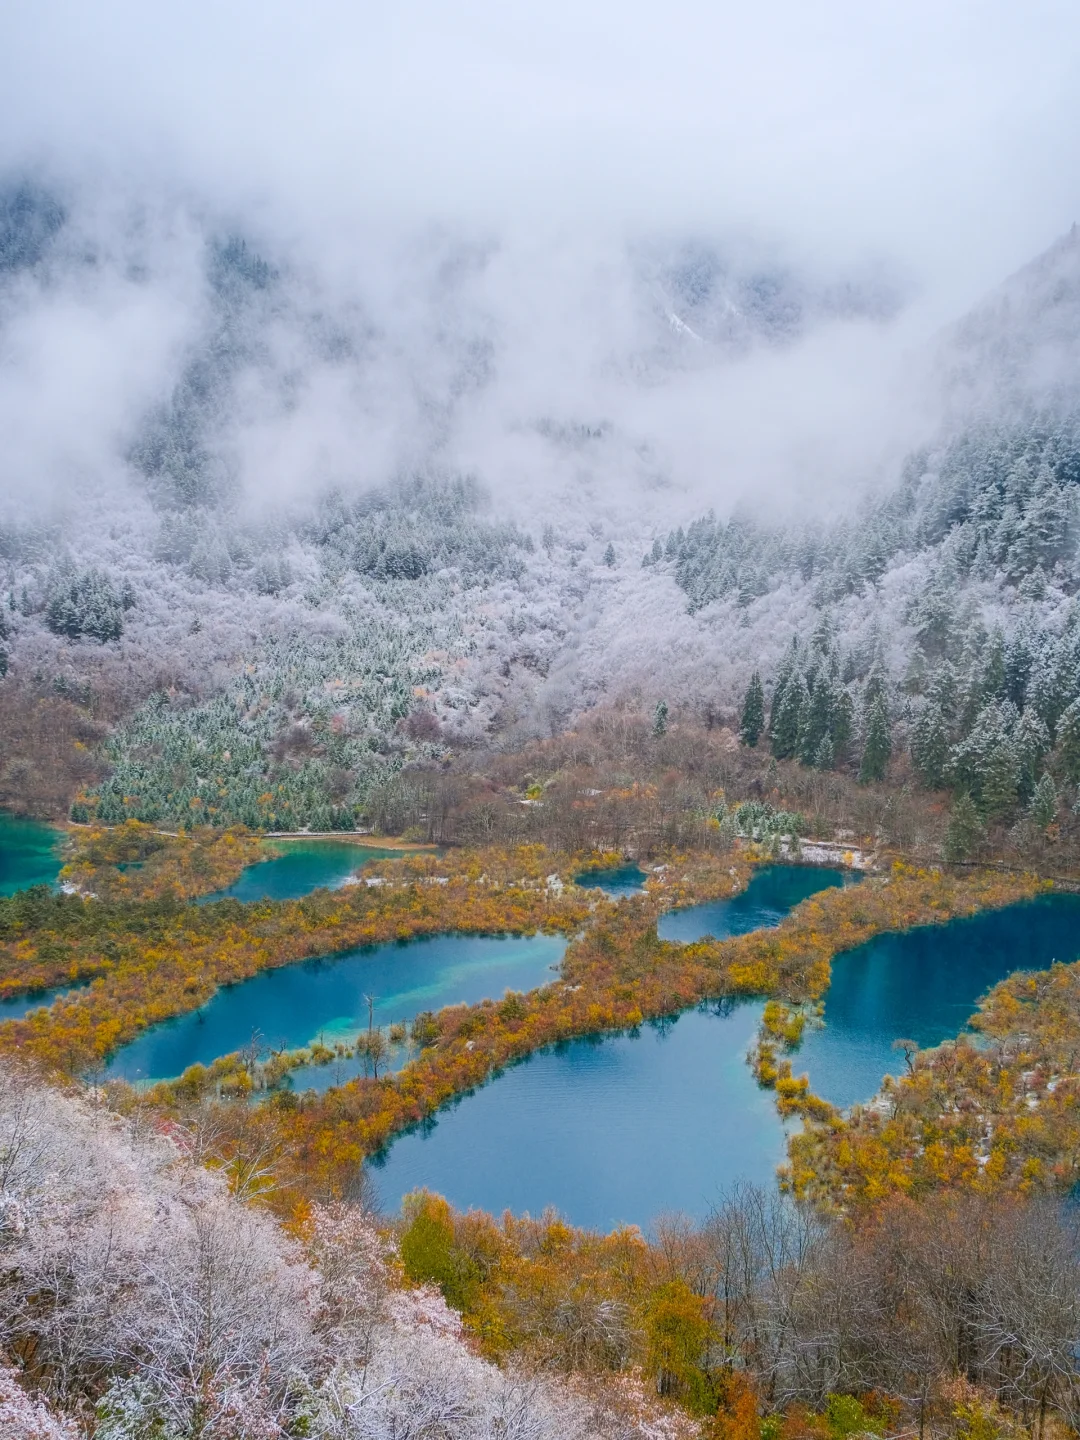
pixel 878 747
pixel 660 718
pixel 753 712
pixel 1044 803
pixel 842 723
pixel 964 832
pixel 609 555
pixel 930 745
pixel 787 717
pixel 815 719
pixel 1069 741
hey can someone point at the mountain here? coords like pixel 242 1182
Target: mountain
pixel 338 528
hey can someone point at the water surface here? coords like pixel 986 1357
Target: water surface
pixel 609 1130
pixel 29 854
pixel 14 1007
pixel 773 891
pixel 305 865
pixel 622 880
pixel 325 998
pixel 923 985
pixel 622 1128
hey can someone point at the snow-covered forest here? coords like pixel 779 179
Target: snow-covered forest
pixel 269 610
pixel 148 1300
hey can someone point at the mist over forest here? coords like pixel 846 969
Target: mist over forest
pixel 578 455
pixel 283 531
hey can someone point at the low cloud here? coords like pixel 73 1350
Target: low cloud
pixel 678 257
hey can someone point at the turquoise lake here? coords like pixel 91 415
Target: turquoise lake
pixel 773 892
pixel 622 880
pixel 29 854
pixel 325 998
pixel 922 985
pixel 17 1006
pixel 621 1128
pixel 305 865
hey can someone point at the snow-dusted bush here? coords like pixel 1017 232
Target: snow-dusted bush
pixel 145 1302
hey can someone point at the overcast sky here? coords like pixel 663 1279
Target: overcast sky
pixel 939 137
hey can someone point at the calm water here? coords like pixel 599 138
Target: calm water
pixel 773 891
pixel 18 1006
pixel 29 854
pixel 325 998
pixel 607 1130
pixel 624 1128
pixel 923 985
pixel 624 880
pixel 305 866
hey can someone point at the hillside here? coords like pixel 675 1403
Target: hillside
pixel 258 610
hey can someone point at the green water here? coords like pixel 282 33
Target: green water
pixel 621 1128
pixel 773 892
pixel 29 854
pixel 622 880
pixel 326 999
pixel 304 866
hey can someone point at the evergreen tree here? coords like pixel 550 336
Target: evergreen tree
pixel 964 832
pixel 1032 745
pixel 784 675
pixel 753 712
pixel 814 722
pixel 943 691
pixel 825 758
pixel 660 718
pixel 609 555
pixel 787 718
pixel 86 604
pixel 972 758
pixel 1044 803
pixel 842 723
pixel 930 745
pixel 1000 780
pixel 1069 741
pixel 878 747
pixel 994 684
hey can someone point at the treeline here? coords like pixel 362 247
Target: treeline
pixel 977 690
pixel 956 1316
pixel 997 499
pixel 299 740
pixel 1001 729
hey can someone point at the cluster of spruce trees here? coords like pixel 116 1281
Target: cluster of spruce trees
pixel 417 528
pixel 821 710
pixel 303 738
pixel 998 502
pixel 999 724
pixel 87 603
